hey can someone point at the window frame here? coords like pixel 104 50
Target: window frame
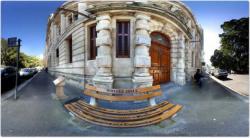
pixel 92 48
pixel 70 48
pixel 57 52
pixel 75 16
pixel 70 19
pixel 123 53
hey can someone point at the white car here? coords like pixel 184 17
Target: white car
pixel 221 73
pixel 25 72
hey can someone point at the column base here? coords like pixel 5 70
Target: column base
pixel 181 80
pixel 145 81
pixel 103 82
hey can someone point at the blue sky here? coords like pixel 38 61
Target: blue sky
pixel 28 20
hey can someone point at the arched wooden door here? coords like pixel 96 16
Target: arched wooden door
pixel 160 58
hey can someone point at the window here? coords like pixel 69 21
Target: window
pixel 122 39
pixel 57 52
pixel 92 43
pixel 57 56
pixel 75 17
pixel 192 59
pixel 70 19
pixel 69 41
pixel 59 30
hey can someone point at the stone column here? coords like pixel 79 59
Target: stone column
pixel 174 59
pixel 181 61
pixel 142 60
pixel 103 76
pixel 188 61
pixel 63 23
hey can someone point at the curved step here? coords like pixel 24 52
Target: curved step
pixel 123 112
pixel 125 117
pixel 124 124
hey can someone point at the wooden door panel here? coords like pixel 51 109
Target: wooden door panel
pixel 160 63
pixel 154 56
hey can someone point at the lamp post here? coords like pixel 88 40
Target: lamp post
pixel 14 42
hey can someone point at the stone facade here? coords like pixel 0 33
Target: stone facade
pixel 67 49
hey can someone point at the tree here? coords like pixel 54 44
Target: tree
pixel 234 49
pixel 221 60
pixel 8 57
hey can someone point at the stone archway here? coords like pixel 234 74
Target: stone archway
pixel 160 58
pixel 177 54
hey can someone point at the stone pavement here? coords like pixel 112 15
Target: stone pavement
pixel 208 111
pixel 238 83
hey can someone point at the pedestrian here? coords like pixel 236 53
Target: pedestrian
pixel 198 76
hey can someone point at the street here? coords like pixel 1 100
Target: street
pixel 208 111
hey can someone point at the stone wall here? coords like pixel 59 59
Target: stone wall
pixel 73 72
pixel 107 70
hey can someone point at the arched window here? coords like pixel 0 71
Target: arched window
pixel 160 39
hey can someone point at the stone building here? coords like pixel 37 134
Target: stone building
pixel 123 44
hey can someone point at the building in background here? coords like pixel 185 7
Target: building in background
pixel 123 44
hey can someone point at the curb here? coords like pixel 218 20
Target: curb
pixel 231 90
pixel 11 92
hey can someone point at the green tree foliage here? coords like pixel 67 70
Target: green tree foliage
pixel 234 50
pixel 8 57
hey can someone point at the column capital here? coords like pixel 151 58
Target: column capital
pixel 104 16
pixel 142 16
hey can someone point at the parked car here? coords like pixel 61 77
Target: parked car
pixel 211 71
pixel 8 77
pixel 26 72
pixel 33 70
pixel 220 73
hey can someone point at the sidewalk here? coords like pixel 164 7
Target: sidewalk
pixel 236 82
pixel 207 111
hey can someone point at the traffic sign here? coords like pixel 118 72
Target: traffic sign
pixel 12 42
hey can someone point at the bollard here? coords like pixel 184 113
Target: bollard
pixel 59 83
